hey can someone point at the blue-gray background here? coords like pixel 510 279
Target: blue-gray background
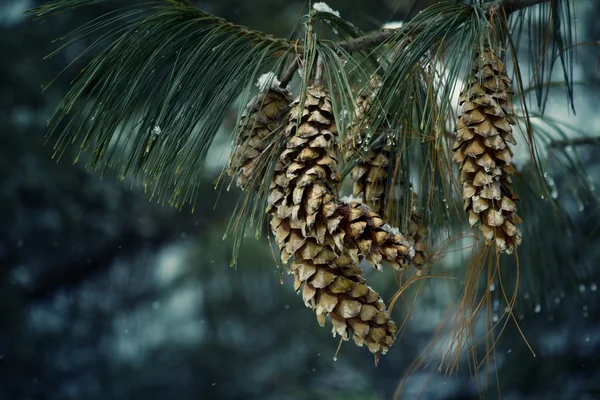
pixel 105 295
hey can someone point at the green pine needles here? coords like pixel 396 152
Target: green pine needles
pixel 158 78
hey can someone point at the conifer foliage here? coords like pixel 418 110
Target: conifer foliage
pixel 371 107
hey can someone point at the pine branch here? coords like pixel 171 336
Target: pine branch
pixel 376 38
pixel 150 128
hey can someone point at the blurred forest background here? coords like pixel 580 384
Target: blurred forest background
pixel 105 295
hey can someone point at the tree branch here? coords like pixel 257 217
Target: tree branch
pixel 374 39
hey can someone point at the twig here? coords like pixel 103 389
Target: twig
pixel 374 39
pixel 369 41
pixel 289 73
pixel 319 72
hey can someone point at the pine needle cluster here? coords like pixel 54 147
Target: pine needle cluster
pixel 371 107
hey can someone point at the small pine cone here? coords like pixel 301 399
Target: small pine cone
pixel 416 235
pixel 370 175
pixel 371 171
pixel 370 181
pixel 483 133
pixel 364 101
pixel 263 114
pixel 311 226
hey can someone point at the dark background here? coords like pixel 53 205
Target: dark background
pixel 105 295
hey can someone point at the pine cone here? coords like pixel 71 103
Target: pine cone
pixel 364 102
pixel 332 284
pixel 371 172
pixel 416 234
pixel 307 170
pixel 376 240
pixel 483 133
pixel 324 235
pixel 370 175
pixel 263 114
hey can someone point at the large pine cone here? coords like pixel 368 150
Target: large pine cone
pixel 326 237
pixel 483 133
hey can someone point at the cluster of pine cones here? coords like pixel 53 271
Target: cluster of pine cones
pixel 325 237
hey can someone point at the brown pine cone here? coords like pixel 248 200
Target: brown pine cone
pixel 263 114
pixel 320 232
pixel 483 133
pixel 370 175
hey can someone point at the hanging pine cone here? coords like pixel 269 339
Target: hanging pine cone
pixel 333 285
pixel 483 133
pixel 371 172
pixel 370 175
pixel 364 101
pixel 309 166
pixel 326 237
pixel 416 233
pixel 263 114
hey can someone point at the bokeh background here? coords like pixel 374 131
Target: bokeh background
pixel 106 295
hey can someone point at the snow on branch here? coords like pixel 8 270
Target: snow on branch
pixel 324 8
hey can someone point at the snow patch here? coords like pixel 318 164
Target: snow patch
pixel 350 199
pixel 324 8
pixel 393 25
pixel 390 229
pixel 269 81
